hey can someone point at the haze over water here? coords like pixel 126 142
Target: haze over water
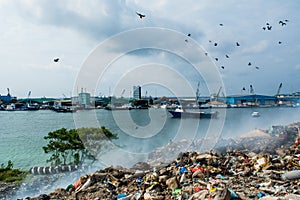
pixel 22 132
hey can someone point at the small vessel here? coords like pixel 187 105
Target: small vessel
pixel 11 107
pixel 31 107
pixel 123 107
pixel 255 114
pixel 63 109
pixel 179 112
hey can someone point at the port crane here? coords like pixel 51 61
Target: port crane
pixel 28 98
pixel 122 93
pixel 218 94
pixel 198 91
pixel 215 97
pixel 251 89
pixel 279 88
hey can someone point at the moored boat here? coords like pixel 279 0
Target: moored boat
pixel 63 109
pixel 255 114
pixel 179 112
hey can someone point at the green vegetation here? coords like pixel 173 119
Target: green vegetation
pixel 75 146
pixel 8 174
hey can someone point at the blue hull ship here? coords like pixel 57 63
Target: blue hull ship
pixel 179 112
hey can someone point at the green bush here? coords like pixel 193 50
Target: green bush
pixel 74 146
pixel 8 174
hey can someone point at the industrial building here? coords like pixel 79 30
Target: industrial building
pixel 289 99
pixel 251 100
pixel 137 92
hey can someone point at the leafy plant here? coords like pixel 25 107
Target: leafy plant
pixel 8 174
pixel 68 146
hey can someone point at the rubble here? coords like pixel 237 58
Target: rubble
pixel 241 171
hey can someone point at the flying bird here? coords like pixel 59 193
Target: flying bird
pixel 282 23
pixel 268 27
pixel 257 67
pixel 216 59
pixel 222 67
pixel 237 44
pixel 189 35
pixel 249 64
pixel 140 15
pixel 221 24
pixel 215 44
pixel 186 40
pixel 206 54
pixel 279 42
pixel 227 56
pixel 56 59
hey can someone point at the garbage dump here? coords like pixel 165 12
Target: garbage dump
pixel 264 165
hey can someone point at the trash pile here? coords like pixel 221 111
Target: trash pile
pixel 244 171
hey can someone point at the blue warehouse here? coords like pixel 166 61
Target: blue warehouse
pixel 251 100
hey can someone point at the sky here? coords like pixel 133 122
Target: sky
pixel 34 32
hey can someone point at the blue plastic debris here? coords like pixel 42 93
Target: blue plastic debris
pixel 261 194
pixel 233 195
pixel 121 195
pixel 182 170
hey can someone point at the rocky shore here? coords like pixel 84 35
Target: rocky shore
pixel 258 165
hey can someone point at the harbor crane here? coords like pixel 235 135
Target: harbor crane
pixel 122 93
pixel 279 88
pixel 197 91
pixel 28 98
pixel 251 89
pixel 218 94
pixel 29 93
pixel 215 97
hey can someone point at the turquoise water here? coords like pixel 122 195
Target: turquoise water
pixel 140 131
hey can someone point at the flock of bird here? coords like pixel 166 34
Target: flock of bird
pixel 267 27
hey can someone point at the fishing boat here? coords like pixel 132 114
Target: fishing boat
pixel 255 114
pixel 179 112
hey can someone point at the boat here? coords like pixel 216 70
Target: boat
pixel 31 107
pixel 123 107
pixel 11 107
pixel 63 109
pixel 255 114
pixel 179 112
pixel 214 104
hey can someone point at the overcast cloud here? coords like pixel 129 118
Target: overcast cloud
pixel 34 32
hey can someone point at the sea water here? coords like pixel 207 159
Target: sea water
pixel 140 131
